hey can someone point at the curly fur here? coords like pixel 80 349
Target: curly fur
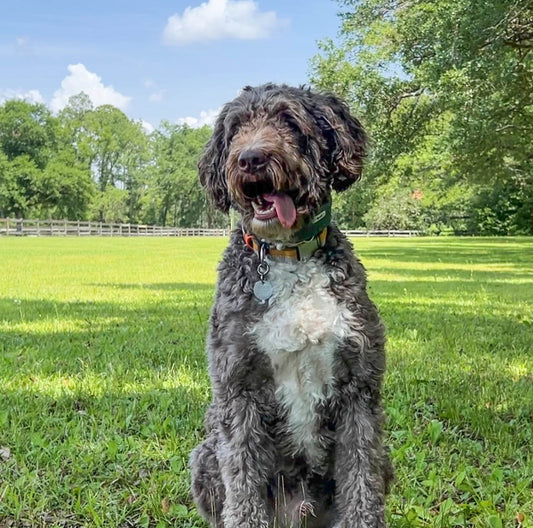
pixel 294 428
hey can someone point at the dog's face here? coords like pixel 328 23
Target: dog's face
pixel 276 153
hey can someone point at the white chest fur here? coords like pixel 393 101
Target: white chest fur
pixel 299 332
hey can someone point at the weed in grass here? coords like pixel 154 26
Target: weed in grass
pixel 103 382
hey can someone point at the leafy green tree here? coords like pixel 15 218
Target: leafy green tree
pixel 394 210
pixel 18 185
pixel 444 88
pixel 110 205
pixel 174 194
pixel 27 129
pixel 74 132
pixel 116 144
pixel 114 148
pixel 64 189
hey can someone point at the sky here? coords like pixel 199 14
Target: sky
pixel 178 61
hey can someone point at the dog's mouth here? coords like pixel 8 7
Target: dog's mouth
pixel 270 204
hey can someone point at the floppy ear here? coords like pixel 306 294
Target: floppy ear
pixel 345 137
pixel 212 166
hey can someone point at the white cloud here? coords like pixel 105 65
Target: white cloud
pixel 31 96
pixel 82 80
pixel 221 19
pixel 147 127
pixel 22 42
pixel 157 96
pixel 23 46
pixel 206 118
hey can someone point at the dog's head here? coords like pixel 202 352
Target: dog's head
pixel 275 154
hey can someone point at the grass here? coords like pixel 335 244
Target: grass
pixel 103 382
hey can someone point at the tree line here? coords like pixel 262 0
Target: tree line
pixel 91 163
pixel 443 87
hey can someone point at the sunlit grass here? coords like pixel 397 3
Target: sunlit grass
pixel 103 378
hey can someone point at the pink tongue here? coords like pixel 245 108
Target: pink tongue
pixel 284 208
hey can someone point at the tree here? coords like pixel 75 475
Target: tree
pixel 444 87
pixel 174 195
pixel 27 129
pixel 74 132
pixel 64 189
pixel 18 185
pixel 40 174
pixel 114 149
pixel 110 205
pixel 396 209
pixel 116 144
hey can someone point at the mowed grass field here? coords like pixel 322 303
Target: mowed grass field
pixel 103 380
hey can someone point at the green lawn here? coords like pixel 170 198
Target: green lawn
pixel 103 383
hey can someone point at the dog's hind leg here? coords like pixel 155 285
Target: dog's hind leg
pixel 207 487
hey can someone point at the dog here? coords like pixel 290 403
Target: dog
pixel 295 346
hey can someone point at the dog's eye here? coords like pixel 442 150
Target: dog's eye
pixel 233 123
pixel 324 124
pixel 290 121
pixel 301 138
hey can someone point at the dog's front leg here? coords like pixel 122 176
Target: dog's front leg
pixel 246 459
pixel 360 460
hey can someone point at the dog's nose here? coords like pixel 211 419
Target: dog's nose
pixel 251 160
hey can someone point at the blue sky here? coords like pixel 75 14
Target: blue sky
pixel 157 60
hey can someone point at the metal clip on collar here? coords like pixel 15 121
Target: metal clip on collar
pixel 264 267
pixel 263 289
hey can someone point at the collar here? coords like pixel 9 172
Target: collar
pixel 303 243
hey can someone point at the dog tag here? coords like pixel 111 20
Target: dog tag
pixel 263 291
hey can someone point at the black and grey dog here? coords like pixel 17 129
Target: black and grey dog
pixel 295 346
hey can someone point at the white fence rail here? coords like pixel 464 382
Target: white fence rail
pixel 26 227
pixel 385 233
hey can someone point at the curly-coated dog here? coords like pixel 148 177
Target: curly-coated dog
pixel 295 346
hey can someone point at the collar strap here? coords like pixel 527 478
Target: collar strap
pixel 313 225
pixel 294 252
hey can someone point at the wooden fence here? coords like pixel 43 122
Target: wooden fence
pixel 26 227
pixel 384 233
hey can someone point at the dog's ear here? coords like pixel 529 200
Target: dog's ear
pixel 212 165
pixel 345 137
